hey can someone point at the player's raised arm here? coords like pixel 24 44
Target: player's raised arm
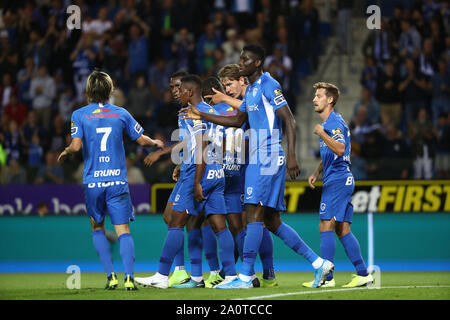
pixel 291 163
pixel 336 146
pixel 146 141
pixel 232 121
pixel 219 97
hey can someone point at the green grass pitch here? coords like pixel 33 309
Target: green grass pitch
pixel 394 286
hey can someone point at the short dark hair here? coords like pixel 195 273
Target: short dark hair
pixel 179 74
pixel 257 50
pixel 99 87
pixel 210 83
pixel 192 79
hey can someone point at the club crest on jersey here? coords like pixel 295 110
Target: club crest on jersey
pixel 255 91
pixel 277 92
pixel 137 127
pixel 249 191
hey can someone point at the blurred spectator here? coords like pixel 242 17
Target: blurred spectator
pixel 15 174
pixel 35 155
pixel 138 48
pixel 37 48
pixel 13 142
pixel 422 137
pixel 379 44
pixel 410 40
pixel 42 92
pixel 388 95
pixel 358 164
pixel 16 111
pixel 413 87
pixel 83 62
pixel 139 102
pixel 6 90
pixel 51 171
pixel 427 59
pixel 134 174
pixel 395 159
pixel 369 75
pixel 118 96
pixel 360 125
pixel 438 37
pixel 420 24
pixel 395 23
pixel 183 48
pixel 24 77
pixel 344 27
pixel 66 104
pixel 32 127
pixel 371 153
pixel 207 43
pixel 282 64
pixel 443 146
pixel 232 47
pixel 440 91
pixel 57 133
pixel 159 76
pixel 98 26
pixel 372 106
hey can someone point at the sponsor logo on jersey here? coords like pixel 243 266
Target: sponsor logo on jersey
pixel 336 131
pixel 253 107
pixel 73 128
pixel 102 115
pixel 106 173
pixel 279 99
pixel 277 92
pixel 101 110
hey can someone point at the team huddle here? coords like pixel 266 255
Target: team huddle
pixel 230 179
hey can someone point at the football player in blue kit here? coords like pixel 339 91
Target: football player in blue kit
pixel 266 108
pixel 98 129
pixel 336 209
pixel 201 189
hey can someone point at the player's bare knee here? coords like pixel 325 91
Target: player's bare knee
pixel 97 225
pixel 327 225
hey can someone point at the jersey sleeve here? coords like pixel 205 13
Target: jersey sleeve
pixel 336 131
pixel 132 127
pixel 76 129
pixel 243 106
pixel 272 92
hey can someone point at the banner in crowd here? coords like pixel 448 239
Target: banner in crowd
pixel 59 199
pixel 369 196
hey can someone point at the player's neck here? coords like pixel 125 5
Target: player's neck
pixel 195 100
pixel 255 76
pixel 326 113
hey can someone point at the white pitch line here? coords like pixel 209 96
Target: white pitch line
pixel 333 290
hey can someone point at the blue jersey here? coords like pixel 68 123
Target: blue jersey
pixel 101 129
pixel 261 101
pixel 234 156
pixel 334 166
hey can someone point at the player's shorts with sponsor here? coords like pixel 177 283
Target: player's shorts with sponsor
pixel 213 187
pixel 233 193
pixel 175 189
pixel 264 184
pixel 336 201
pixel 184 194
pixel 113 197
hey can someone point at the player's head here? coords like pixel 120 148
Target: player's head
pixel 175 84
pixel 208 85
pixel 327 94
pixel 233 82
pixel 251 59
pixel 191 87
pixel 99 87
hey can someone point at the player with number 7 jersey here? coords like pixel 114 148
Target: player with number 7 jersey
pixel 98 128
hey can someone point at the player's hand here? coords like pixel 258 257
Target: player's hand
pixel 158 143
pixel 293 169
pixel 152 158
pixel 311 180
pixel 190 113
pixel 176 173
pixel 217 97
pixel 198 193
pixel 318 129
pixel 63 154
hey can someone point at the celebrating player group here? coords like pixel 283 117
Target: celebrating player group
pixel 230 177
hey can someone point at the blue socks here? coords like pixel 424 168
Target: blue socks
pixel 101 245
pixel 127 253
pixel 226 251
pixel 210 247
pixel 353 251
pixel 328 248
pixel 179 258
pixel 252 243
pixel 239 243
pixel 195 251
pixel 266 255
pixel 293 241
pixel 172 245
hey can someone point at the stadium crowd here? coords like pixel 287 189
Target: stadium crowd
pixel 44 67
pixel 401 125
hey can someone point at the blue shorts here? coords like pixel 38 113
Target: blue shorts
pixel 233 194
pixel 184 193
pixel 176 188
pixel 213 188
pixel 265 186
pixel 336 200
pixel 113 197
